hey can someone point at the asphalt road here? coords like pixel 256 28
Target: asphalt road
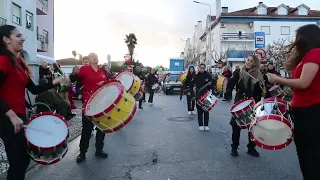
pixel 151 147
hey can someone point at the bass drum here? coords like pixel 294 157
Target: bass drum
pixel 222 84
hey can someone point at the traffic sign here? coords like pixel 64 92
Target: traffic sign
pixel 259 40
pixel 261 54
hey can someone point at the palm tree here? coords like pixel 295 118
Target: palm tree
pixel 131 42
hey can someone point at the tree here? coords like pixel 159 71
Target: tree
pixel 131 42
pixel 277 52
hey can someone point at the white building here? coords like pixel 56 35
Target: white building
pixel 233 32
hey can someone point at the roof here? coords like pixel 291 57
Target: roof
pixel 69 61
pixel 271 12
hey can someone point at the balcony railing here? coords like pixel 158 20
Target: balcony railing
pixel 237 36
pixel 3 21
pixel 42 38
pixel 238 54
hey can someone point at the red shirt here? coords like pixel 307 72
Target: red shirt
pixel 311 95
pixel 90 79
pixel 13 88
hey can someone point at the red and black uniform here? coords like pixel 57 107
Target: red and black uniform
pixel 14 80
pixel 90 79
pixel 306 112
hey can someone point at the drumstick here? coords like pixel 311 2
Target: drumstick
pixel 36 129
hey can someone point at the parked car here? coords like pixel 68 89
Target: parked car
pixel 172 84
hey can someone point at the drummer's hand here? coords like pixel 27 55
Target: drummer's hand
pixel 100 83
pixel 272 78
pixel 16 122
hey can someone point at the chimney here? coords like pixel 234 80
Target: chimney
pixel 199 25
pixel 218 8
pixel 224 10
pixel 260 2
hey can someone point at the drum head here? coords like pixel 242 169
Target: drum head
pixel 55 131
pixel 240 106
pixel 126 79
pixel 272 132
pixel 155 86
pixel 103 99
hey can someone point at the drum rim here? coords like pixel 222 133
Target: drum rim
pixel 201 99
pixel 45 114
pixel 214 104
pixel 239 102
pixel 125 72
pixel 125 122
pixel 51 162
pixel 275 118
pixel 271 99
pixel 98 89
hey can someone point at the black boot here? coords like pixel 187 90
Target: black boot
pixel 234 152
pixel 253 152
pixel 81 157
pixel 101 154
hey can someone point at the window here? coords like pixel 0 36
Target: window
pixel 265 29
pixel 176 63
pixel 285 30
pixel 29 20
pixel 303 11
pixel 262 10
pixel 16 14
pixel 46 36
pixel 282 11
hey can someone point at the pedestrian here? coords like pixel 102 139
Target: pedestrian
pixel 202 82
pixel 304 63
pixel 247 87
pixel 138 72
pixel 91 77
pixel 151 80
pixel 188 88
pixel 15 77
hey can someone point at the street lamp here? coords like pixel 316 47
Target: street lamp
pixel 207 27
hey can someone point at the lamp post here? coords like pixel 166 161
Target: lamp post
pixel 208 26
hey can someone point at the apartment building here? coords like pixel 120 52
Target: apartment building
pixel 232 33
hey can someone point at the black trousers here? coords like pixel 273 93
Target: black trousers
pixel 307 140
pixel 236 131
pixel 15 145
pixel 151 93
pixel 190 103
pixel 87 127
pixel 203 116
pixel 140 102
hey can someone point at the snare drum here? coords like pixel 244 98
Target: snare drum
pixel 156 87
pixel 242 112
pixel 207 101
pixel 110 107
pixel 222 84
pixel 275 91
pixel 47 136
pixel 272 127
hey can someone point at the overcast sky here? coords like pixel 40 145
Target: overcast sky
pixel 100 26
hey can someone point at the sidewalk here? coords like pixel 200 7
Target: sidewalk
pixel 75 131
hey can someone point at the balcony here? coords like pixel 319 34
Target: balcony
pixel 237 37
pixel 42 44
pixel 238 53
pixel 3 21
pixel 42 7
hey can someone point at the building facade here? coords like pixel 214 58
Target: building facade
pixel 232 33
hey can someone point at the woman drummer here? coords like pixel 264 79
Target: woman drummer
pixel 304 64
pixel 188 86
pixel 247 87
pixel 14 79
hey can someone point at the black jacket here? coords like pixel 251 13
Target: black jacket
pixel 141 75
pixel 151 80
pixel 188 85
pixel 200 80
pixel 45 74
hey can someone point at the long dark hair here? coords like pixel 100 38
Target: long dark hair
pixel 6 31
pixel 307 38
pixel 189 73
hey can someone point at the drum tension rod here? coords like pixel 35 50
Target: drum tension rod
pixel 118 109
